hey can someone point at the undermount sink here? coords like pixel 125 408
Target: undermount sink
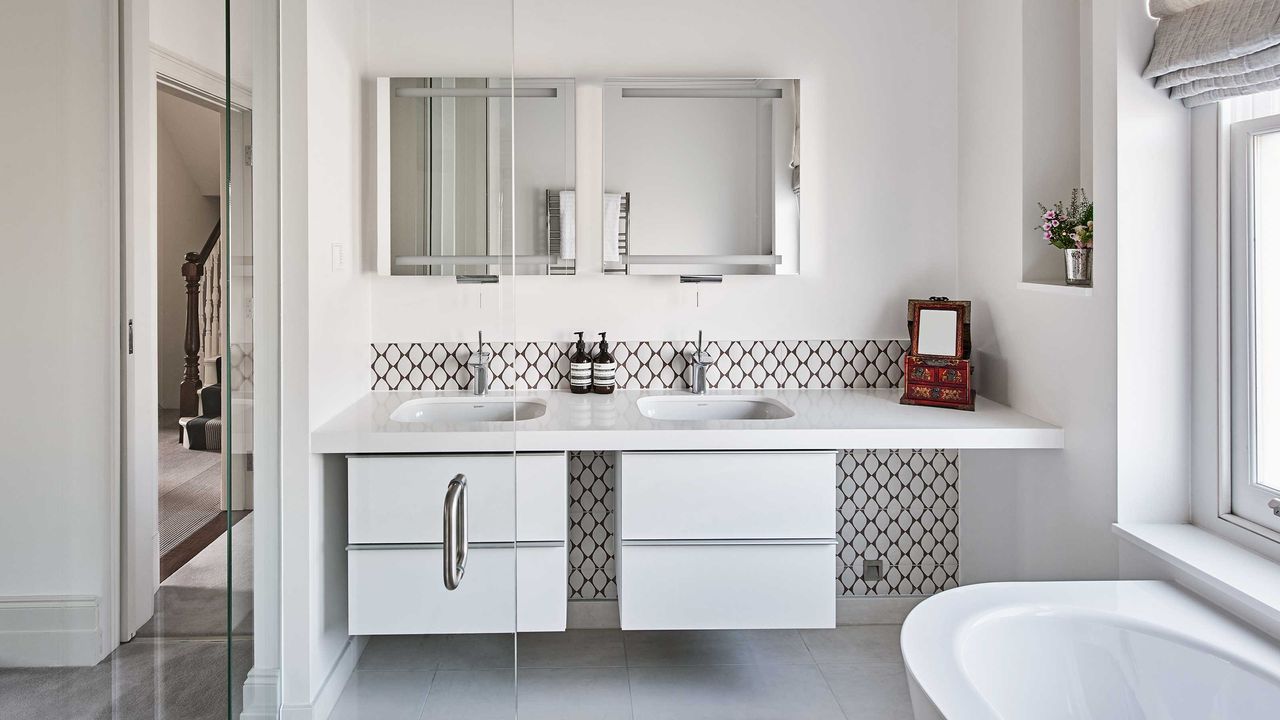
pixel 468 409
pixel 712 407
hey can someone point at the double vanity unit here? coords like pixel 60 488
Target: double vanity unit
pixel 726 502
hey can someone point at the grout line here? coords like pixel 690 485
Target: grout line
pixel 631 697
pixel 426 699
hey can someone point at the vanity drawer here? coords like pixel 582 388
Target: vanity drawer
pixel 400 591
pixel 676 496
pixel 672 586
pixel 400 498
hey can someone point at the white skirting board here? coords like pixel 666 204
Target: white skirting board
pixel 261 694
pixel 50 631
pixel 869 610
pixel 326 698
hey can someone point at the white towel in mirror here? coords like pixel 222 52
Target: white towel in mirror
pixel 568 226
pixel 610 222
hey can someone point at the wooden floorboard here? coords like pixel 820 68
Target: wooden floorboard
pixel 202 538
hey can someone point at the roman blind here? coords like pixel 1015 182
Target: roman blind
pixel 1210 50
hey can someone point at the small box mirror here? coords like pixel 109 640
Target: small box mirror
pixel 939 328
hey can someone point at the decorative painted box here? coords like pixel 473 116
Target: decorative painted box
pixel 937 370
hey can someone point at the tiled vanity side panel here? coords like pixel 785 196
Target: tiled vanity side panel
pixel 899 506
pixel 645 364
pixel 592 532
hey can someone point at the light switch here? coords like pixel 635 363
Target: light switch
pixel 338 256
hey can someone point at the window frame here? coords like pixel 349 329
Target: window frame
pixel 1242 500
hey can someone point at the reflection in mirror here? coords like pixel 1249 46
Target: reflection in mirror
pixel 447 202
pixel 702 177
pixel 938 333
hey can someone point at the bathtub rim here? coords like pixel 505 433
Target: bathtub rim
pixel 931 634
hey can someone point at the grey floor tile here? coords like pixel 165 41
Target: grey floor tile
pixel 572 649
pixel 574 694
pixel 870 691
pixel 855 644
pixel 472 695
pixel 383 695
pixel 715 647
pixel 732 692
pixel 478 652
pixel 402 652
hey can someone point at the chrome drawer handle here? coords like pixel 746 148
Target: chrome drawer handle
pixel 455 532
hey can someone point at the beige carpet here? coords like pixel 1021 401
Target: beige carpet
pixel 190 485
pixel 193 601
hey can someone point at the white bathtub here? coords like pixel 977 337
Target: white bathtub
pixel 1085 651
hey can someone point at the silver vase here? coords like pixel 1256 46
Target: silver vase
pixel 1079 266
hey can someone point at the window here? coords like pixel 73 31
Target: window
pixel 1255 319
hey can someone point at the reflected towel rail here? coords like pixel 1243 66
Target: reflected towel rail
pixel 478 92
pixel 702 259
pixel 436 260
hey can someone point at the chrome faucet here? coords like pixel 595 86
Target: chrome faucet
pixel 479 364
pixel 698 365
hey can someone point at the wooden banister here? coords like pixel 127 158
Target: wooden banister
pixel 208 244
pixel 192 273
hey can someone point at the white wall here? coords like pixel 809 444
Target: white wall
pixel 1051 124
pixel 58 221
pixel 184 215
pixel 196 30
pixel 1153 308
pixel 1045 514
pixel 339 303
pixel 325 326
pixel 878 209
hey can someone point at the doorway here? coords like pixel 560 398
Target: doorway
pixel 189 202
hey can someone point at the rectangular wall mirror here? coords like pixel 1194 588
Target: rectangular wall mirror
pixel 701 176
pixel 444 176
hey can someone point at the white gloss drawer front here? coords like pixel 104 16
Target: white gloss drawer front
pixel 399 498
pixel 726 586
pixel 729 495
pixel 399 591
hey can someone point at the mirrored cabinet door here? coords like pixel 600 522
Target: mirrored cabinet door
pixel 701 176
pixel 448 200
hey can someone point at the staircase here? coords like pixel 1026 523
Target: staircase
pixel 200 406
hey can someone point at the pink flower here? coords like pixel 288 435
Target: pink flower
pixel 1048 236
pixel 1055 223
pixel 1049 215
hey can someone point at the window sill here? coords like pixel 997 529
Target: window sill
pixel 1239 580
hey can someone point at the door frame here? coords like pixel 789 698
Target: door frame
pixel 135 532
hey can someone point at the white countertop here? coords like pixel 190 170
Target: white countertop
pixel 835 419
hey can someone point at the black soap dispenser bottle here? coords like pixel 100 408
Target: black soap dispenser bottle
pixel 580 369
pixel 603 369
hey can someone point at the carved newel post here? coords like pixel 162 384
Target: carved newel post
pixel 189 390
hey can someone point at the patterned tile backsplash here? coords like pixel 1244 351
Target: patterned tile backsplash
pixel 897 506
pixel 648 364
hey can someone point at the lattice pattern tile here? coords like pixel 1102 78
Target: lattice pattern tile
pixel 896 505
pixel 899 580
pixel 647 364
pixel 240 368
pixel 899 506
pixel 592 533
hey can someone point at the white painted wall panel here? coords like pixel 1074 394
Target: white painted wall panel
pixel 59 227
